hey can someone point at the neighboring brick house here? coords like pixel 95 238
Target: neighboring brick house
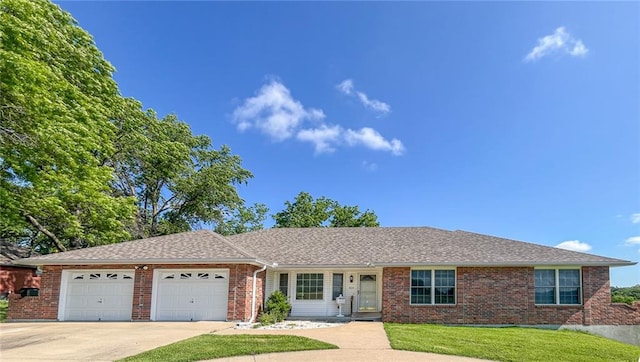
pixel 14 277
pixel 402 274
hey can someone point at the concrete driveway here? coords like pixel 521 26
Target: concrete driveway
pixel 89 341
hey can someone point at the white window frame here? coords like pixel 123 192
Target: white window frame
pixel 295 296
pixel 556 286
pixel 433 286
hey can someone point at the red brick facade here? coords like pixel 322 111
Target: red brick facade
pixel 14 278
pixel 490 295
pixel 45 306
pixel 495 295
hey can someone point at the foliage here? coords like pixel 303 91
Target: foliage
pixel 57 99
pixel 276 310
pixel 622 299
pixel 306 212
pixel 177 178
pixel 210 346
pixel 625 294
pixel 243 219
pixel 4 305
pixel 508 344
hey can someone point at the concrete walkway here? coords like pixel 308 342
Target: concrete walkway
pixel 93 341
pixel 358 341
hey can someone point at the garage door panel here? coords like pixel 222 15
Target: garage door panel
pixel 99 295
pixel 191 295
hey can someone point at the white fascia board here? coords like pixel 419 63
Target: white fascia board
pixel 529 264
pixel 141 261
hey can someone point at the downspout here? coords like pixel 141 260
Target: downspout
pixel 253 293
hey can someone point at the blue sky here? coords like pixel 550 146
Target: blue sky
pixel 519 120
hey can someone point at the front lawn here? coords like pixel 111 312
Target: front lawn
pixel 508 344
pixel 209 346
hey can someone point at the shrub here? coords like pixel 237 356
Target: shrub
pixel 276 309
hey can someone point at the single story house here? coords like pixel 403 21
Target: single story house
pixel 15 277
pixel 402 274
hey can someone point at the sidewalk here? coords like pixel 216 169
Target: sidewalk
pixel 358 341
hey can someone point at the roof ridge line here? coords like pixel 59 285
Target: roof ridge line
pixel 234 246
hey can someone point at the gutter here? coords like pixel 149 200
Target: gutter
pixel 40 262
pixel 253 293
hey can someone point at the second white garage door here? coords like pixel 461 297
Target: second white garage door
pixel 190 295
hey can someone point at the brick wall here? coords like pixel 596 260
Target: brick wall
pixel 13 278
pixel 496 295
pixel 45 306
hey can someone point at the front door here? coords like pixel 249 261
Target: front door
pixel 368 296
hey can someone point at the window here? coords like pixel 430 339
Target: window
pixel 433 286
pixel 557 286
pixel 337 285
pixel 309 286
pixel 283 284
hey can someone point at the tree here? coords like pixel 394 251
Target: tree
pixel 322 212
pixel 57 99
pixel 178 179
pixel 243 220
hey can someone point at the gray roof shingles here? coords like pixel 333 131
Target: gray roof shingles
pixel 204 245
pixel 403 246
pixel 309 247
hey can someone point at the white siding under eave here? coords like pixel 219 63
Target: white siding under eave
pixel 269 284
pixel 326 307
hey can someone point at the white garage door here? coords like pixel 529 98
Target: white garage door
pixel 96 295
pixel 191 295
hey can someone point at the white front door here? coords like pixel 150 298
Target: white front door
pixel 98 295
pixel 191 295
pixel 368 293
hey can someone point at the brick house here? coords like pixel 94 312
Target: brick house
pixel 401 274
pixel 14 277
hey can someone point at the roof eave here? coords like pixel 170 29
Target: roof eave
pixel 456 264
pixel 508 264
pixel 37 262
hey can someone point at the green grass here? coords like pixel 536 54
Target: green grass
pixel 4 304
pixel 509 344
pixel 209 346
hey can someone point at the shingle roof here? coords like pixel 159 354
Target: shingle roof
pixel 316 247
pixel 403 246
pixel 196 246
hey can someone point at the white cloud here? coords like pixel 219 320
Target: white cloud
pixel 274 112
pixel 369 166
pixel 560 41
pixel 579 50
pixel 322 137
pixel 374 104
pixel 635 218
pixel 370 138
pixel 574 245
pixel 634 240
pixel 346 87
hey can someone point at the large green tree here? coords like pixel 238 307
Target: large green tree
pixel 305 211
pixel 57 100
pixel 178 179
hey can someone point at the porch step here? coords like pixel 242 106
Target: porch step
pixel 367 317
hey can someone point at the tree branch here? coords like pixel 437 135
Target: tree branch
pixel 43 230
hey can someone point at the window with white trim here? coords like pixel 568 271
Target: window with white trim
pixel 557 286
pixel 283 284
pixel 309 286
pixel 337 287
pixel 433 286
